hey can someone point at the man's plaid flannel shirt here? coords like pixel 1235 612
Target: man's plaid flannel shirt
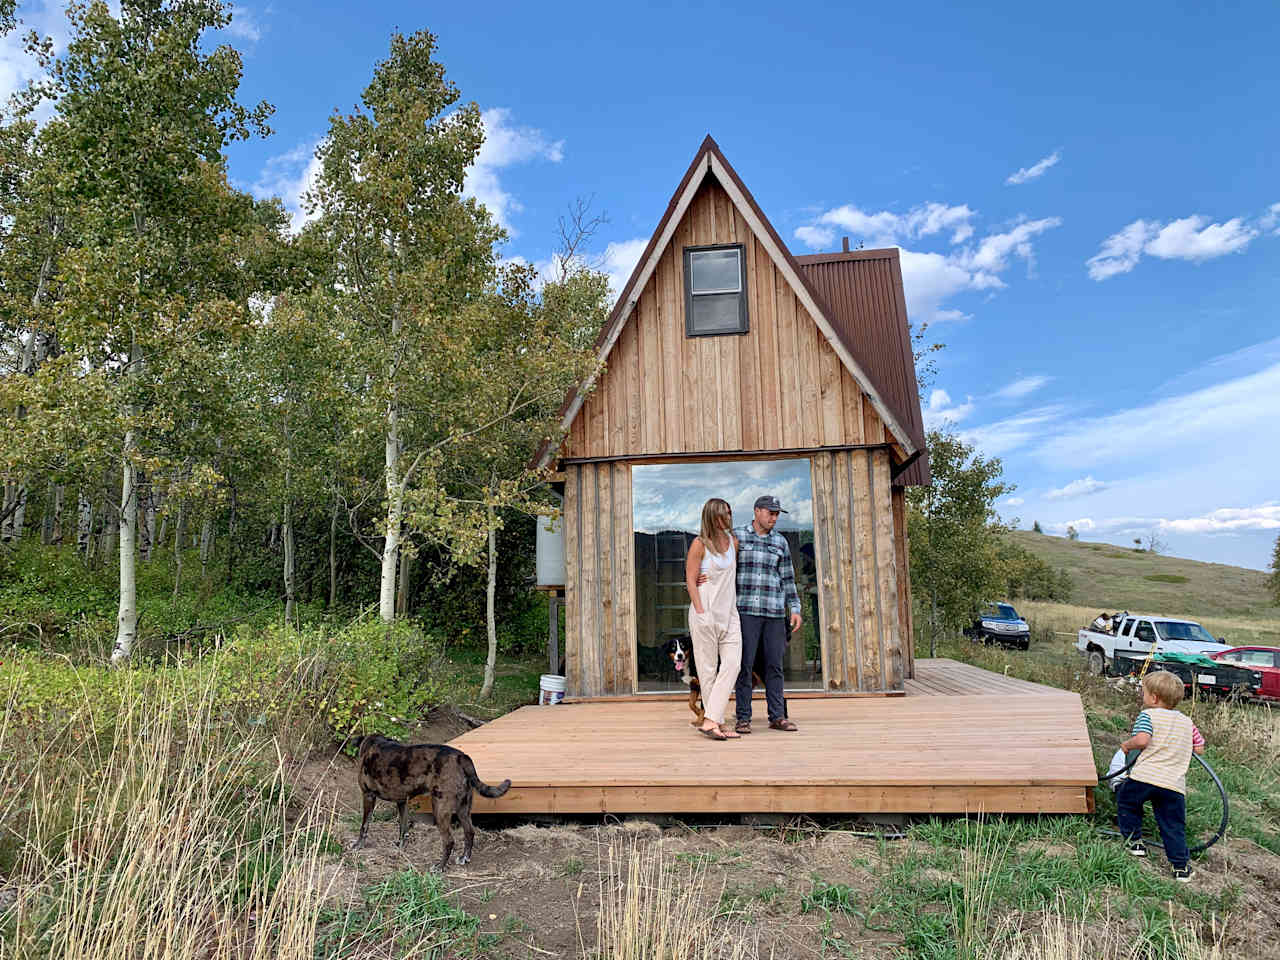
pixel 766 578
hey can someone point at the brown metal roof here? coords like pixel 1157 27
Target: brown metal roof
pixel 863 289
pixel 889 365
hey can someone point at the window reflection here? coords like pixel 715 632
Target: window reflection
pixel 667 504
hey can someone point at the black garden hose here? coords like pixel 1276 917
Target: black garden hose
pixel 1222 791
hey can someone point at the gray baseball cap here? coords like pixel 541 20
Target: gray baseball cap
pixel 769 502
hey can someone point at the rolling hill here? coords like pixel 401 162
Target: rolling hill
pixel 1108 577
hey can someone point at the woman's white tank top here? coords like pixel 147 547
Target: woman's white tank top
pixel 719 561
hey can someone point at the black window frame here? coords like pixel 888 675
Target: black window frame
pixel 744 320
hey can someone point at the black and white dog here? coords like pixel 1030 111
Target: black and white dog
pixel 680 652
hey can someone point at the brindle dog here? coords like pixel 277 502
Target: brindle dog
pixel 398 772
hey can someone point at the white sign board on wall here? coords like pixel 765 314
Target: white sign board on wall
pixel 550 563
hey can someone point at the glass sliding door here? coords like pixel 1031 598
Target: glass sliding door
pixel 667 504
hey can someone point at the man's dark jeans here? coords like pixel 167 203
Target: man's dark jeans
pixel 772 632
pixel 1170 808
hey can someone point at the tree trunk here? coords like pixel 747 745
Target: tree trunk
pixel 84 524
pixel 333 556
pixel 231 537
pixel 18 501
pixel 110 529
pixel 289 585
pixel 177 549
pixel 146 519
pixel 59 500
pixel 127 620
pixel 390 554
pixel 933 624
pixel 491 617
pixel 402 597
pixel 47 521
pixel 206 545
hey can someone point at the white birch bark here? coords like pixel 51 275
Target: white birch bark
pixel 46 523
pixel 491 616
pixel 289 585
pixel 127 619
pixel 84 524
pixel 395 508
pixel 19 518
pixel 206 545
pixel 177 549
pixel 333 555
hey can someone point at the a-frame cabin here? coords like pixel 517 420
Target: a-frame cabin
pixel 732 368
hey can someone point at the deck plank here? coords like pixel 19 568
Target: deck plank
pixel 1017 747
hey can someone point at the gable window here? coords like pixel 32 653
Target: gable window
pixel 715 284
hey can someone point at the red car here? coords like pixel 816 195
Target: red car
pixel 1266 660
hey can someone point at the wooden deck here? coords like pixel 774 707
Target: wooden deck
pixel 962 740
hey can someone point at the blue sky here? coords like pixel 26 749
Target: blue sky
pixel 1087 199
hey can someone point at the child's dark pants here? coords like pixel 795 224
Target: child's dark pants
pixel 1170 808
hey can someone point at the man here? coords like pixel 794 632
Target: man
pixel 766 595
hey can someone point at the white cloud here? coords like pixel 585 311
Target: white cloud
pixel 1195 239
pixel 1121 251
pixel 941 412
pixel 1082 525
pixel 887 228
pixel 1014 502
pixel 289 176
pixel 1001 436
pixel 1191 238
pixel 1271 219
pixel 992 254
pixel 1035 170
pixel 815 238
pixel 1228 519
pixel 620 258
pixel 244 24
pixel 505 145
pixel 1077 488
pixel 1265 516
pixel 1020 388
pixel 1238 411
pixel 17 67
pixel 931 278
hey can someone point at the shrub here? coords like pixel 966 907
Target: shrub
pixel 367 678
pixel 1165 578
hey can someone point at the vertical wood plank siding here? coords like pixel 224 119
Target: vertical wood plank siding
pixel 779 386
pixel 860 592
pixel 600 633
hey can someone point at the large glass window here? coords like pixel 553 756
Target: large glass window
pixel 715 282
pixel 667 504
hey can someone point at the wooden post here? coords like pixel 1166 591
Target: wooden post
pixel 553 626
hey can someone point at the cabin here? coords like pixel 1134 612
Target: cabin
pixel 731 368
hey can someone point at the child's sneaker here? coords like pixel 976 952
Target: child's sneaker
pixel 1137 848
pixel 1183 874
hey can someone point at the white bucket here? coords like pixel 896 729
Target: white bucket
pixel 550 689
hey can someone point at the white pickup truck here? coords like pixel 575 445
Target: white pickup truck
pixel 1137 634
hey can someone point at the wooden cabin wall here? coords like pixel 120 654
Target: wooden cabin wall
pixel 600 646
pixel 902 549
pixel 780 386
pixel 859 590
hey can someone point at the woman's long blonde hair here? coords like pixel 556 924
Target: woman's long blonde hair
pixel 714 512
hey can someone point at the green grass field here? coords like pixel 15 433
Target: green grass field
pixel 1230 601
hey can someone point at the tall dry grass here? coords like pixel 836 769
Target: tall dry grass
pixel 652 909
pixel 1060 936
pixel 152 827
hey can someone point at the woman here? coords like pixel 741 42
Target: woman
pixel 713 614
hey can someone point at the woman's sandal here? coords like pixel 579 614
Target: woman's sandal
pixel 714 733
pixel 730 734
